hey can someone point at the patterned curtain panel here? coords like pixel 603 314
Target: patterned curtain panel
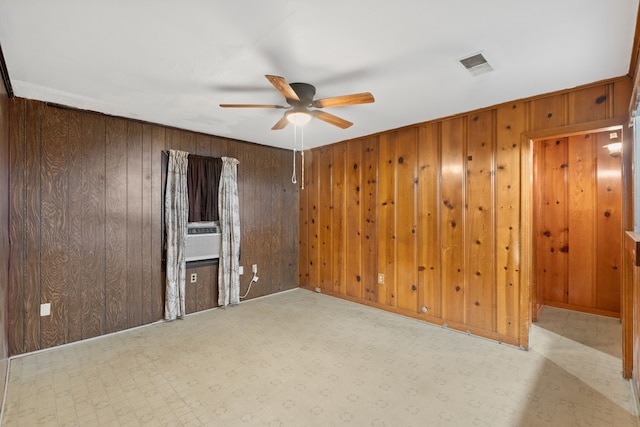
pixel 229 209
pixel 176 211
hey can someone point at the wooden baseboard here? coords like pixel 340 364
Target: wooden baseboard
pixel 588 310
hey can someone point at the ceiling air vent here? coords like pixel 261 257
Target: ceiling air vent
pixel 476 64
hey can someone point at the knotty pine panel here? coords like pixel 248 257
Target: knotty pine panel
pixel 581 195
pixel 369 203
pixel 480 230
pixel 554 221
pixel 608 214
pixel 324 218
pixel 386 219
pixel 354 244
pixel 548 112
pixel 579 240
pixel 452 219
pixel 338 218
pixel 590 104
pixel 406 272
pixel 303 238
pixel 510 121
pixel 86 204
pixel 429 244
pixel 445 192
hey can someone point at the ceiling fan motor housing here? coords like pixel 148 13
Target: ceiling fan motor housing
pixel 305 92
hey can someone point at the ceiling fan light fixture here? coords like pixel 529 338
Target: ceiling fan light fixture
pixel 299 118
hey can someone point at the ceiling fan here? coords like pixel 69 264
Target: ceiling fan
pixel 299 96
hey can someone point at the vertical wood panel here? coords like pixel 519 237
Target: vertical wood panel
pixel 554 221
pixel 339 219
pixel 17 230
pixel 406 219
pixel 304 221
pixel 609 228
pixel 386 219
pixel 311 187
pixel 32 228
pixel 324 218
pixel 158 144
pixel 93 235
pixel 147 233
pixel 369 203
pixel 54 225
pixel 510 121
pixel 580 202
pixel 354 219
pixel 480 221
pixel 116 225
pixel 74 292
pixel 134 225
pixel 429 219
pixel 452 220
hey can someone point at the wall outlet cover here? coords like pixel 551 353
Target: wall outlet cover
pixel 45 309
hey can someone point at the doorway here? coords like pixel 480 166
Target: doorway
pixel 577 223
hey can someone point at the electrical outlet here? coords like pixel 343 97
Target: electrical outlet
pixel 194 277
pixel 254 268
pixel 45 309
pixel 380 278
pixel 241 270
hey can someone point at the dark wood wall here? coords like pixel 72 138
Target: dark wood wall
pixel 433 220
pixel 85 208
pixel 4 233
pixel 578 223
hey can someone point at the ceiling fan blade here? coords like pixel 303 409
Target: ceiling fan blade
pixel 331 119
pixel 283 87
pixel 281 123
pixel 251 106
pixel 341 101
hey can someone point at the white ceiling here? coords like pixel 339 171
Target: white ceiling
pixel 173 62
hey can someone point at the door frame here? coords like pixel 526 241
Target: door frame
pixel 528 300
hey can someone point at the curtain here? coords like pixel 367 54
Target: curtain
pixel 176 207
pixel 203 179
pixel 229 207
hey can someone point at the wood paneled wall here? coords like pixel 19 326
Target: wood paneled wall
pixel 578 223
pixel 439 210
pixel 4 234
pixel 85 208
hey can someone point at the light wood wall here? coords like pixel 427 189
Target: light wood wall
pixel 85 208
pixel 441 210
pixel 578 223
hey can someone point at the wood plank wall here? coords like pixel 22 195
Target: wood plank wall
pixel 85 227
pixel 578 224
pixel 4 234
pixel 436 209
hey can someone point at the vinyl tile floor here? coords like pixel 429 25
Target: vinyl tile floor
pixel 304 359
